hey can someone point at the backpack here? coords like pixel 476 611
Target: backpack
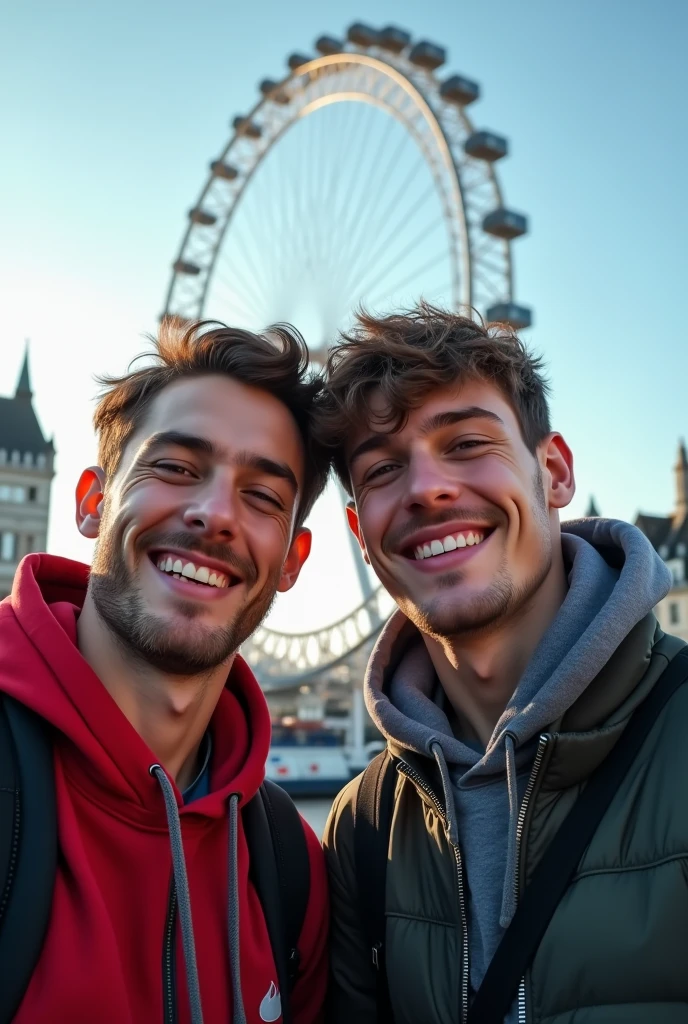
pixel 373 813
pixel 279 863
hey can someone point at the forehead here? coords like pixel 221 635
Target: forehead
pixel 234 416
pixel 471 394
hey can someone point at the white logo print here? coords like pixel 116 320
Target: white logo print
pixel 271 1006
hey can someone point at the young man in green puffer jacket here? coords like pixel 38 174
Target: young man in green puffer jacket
pixel 520 649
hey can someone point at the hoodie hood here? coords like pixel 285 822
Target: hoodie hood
pixel 615 579
pixel 100 755
pixel 40 666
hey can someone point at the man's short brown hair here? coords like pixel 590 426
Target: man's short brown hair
pixel 276 362
pixel 407 355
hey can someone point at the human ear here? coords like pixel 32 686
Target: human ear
pixel 558 477
pixel 355 527
pixel 89 501
pixel 299 551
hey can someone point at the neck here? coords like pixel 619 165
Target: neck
pixel 479 672
pixel 170 713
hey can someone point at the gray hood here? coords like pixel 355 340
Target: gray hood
pixel 615 579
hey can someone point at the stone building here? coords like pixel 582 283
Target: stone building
pixel 669 537
pixel 26 473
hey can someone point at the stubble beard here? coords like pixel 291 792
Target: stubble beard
pixel 178 649
pixel 501 600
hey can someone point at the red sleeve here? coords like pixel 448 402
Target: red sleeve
pixel 308 997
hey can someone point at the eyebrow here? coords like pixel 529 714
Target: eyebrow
pixel 380 441
pixel 281 470
pixel 245 459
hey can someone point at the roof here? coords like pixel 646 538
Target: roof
pixel 656 528
pixel 19 427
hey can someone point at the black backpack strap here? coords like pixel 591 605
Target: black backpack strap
pixel 28 848
pixel 562 857
pixel 372 824
pixel 280 872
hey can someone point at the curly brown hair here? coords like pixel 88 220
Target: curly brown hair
pixel 276 362
pixel 407 355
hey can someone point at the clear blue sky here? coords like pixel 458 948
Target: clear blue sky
pixel 110 114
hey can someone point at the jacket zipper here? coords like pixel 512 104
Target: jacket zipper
pixel 407 770
pixel 520 825
pixel 169 994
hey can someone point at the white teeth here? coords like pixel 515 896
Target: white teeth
pixel 177 566
pixel 449 544
pixel 176 576
pixel 460 541
pixel 469 540
pixel 189 571
pixel 202 574
pixel 212 580
pixel 427 553
pixel 168 564
pixel 436 547
pixel 419 553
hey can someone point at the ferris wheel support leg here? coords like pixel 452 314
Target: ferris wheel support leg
pixel 357 730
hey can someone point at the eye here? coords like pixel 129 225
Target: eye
pixel 269 498
pixel 174 469
pixel 380 471
pixel 467 445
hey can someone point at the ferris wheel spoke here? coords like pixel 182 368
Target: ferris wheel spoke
pixel 356 222
pixel 433 262
pixel 398 225
pixel 419 239
pixel 236 301
pixel 377 226
pixel 246 284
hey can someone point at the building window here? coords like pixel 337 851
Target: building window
pixel 40 462
pixel 674 613
pixel 33 493
pixel 8 546
pixel 677 568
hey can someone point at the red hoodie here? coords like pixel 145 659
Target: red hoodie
pixel 102 961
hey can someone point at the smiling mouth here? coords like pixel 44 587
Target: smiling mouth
pixel 452 542
pixel 194 573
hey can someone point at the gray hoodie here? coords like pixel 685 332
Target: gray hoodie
pixel 615 578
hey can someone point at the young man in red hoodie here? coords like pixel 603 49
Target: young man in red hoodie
pixel 160 731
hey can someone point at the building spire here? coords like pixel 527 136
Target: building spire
pixel 24 382
pixel 681 477
pixel 592 509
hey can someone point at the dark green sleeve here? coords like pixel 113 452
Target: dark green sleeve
pixel 352 994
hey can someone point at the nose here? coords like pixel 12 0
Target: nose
pixel 430 483
pixel 212 511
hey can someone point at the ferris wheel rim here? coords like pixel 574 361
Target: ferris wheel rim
pixel 460 255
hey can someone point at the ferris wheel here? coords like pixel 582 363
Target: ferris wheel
pixel 358 178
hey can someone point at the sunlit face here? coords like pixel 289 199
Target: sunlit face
pixel 454 513
pixel 197 527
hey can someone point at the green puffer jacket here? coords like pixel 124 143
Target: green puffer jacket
pixel 616 950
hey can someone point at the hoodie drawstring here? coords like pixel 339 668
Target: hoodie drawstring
pixel 239 1014
pixel 509 889
pixel 438 754
pixel 181 883
pixel 508 908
